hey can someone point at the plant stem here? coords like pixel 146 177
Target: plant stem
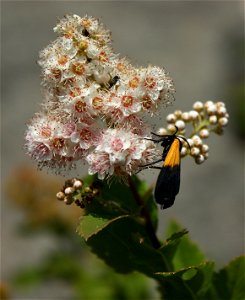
pixel 145 214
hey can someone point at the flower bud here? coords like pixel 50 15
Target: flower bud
pixel 208 103
pixel 68 200
pixel 178 113
pixel 183 151
pixel 77 184
pixel 223 121
pixel 190 142
pixel 220 104
pixel 211 109
pixel 199 159
pixel 193 114
pixel 197 141
pixel 213 119
pixel 221 111
pixel 206 155
pixel 162 131
pixel 198 106
pixel 60 196
pixel 185 116
pixel 204 133
pixel 180 124
pixel 171 128
pixel 205 148
pixel 195 151
pixel 87 189
pixel 69 190
pixel 171 118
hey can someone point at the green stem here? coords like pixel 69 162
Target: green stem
pixel 145 214
pixel 203 124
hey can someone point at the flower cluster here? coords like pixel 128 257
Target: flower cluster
pixel 94 102
pixel 204 118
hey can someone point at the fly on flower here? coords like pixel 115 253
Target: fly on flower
pixel 168 182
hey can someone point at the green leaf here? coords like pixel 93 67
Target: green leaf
pixel 229 281
pixel 114 199
pixel 124 245
pixel 187 253
pixel 189 283
pixel 169 248
pixel 90 225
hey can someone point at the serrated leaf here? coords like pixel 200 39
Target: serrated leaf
pixel 229 282
pixel 124 245
pixel 188 283
pixel 188 253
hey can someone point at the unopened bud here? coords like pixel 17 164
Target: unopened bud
pixel 183 151
pixel 77 184
pixel 221 111
pixel 211 109
pixel 185 116
pixel 178 113
pixel 193 114
pixel 171 118
pixel 198 106
pixel 69 190
pixel 197 141
pixel 208 103
pixel 87 189
pixel 60 196
pixel 190 142
pixel 68 200
pixel 223 121
pixel 180 124
pixel 171 128
pixel 205 155
pixel 205 148
pixel 162 131
pixel 204 133
pixel 195 151
pixel 213 119
pixel 199 159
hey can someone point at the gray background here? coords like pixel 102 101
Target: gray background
pixel 194 42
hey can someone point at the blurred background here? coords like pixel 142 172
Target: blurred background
pixel 200 43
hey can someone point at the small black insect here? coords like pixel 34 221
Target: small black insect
pixel 168 181
pixel 85 32
pixel 113 81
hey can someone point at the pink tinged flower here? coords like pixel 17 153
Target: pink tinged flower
pixel 117 144
pixel 99 163
pixel 79 153
pixel 68 129
pixel 40 151
pixel 86 137
pixel 133 123
pixel 57 144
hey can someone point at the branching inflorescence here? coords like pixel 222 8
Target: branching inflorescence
pixel 95 102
